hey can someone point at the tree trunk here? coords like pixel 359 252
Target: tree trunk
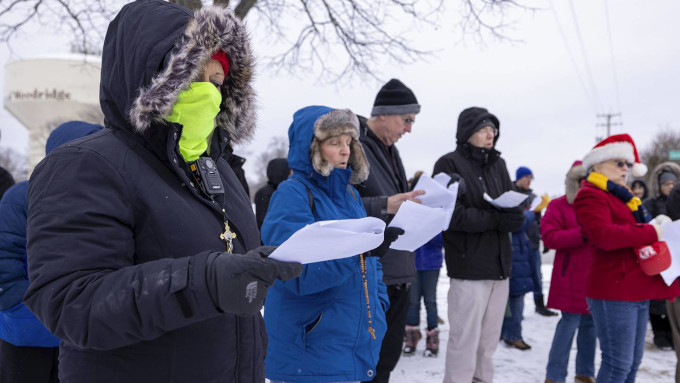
pixel 191 4
pixel 243 7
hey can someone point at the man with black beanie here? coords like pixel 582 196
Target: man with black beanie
pixel 393 114
pixel 477 246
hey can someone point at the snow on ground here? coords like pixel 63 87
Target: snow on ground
pixel 514 366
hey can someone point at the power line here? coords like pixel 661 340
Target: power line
pixel 608 124
pixel 585 56
pixel 611 53
pixel 571 57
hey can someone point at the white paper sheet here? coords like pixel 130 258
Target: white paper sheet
pixel 436 193
pixel 420 223
pixel 534 203
pixel 671 234
pixel 507 200
pixel 328 240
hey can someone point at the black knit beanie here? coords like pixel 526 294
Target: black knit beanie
pixel 395 98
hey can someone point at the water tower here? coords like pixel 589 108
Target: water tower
pixel 46 91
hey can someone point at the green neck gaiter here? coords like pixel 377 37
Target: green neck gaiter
pixel 196 109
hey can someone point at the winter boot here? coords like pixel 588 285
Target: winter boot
pixel 411 339
pixel 432 343
pixel 584 379
pixel 518 344
pixel 540 307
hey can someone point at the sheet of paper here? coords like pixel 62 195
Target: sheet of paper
pixel 507 200
pixel 420 223
pixel 534 203
pixel 436 192
pixel 328 240
pixel 671 234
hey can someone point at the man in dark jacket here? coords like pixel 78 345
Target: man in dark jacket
pixel 277 172
pixel 477 248
pixel 6 180
pixel 142 247
pixel 393 114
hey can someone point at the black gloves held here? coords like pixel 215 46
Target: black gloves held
pixel 510 220
pixel 391 235
pixel 455 177
pixel 238 283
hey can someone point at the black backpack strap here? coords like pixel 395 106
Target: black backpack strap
pixel 309 195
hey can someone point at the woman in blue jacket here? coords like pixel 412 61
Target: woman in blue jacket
pixel 321 326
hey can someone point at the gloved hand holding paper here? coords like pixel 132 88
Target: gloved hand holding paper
pixel 328 240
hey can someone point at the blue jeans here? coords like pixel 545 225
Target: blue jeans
pixel 512 325
pixel 561 345
pixel 425 286
pixel 621 328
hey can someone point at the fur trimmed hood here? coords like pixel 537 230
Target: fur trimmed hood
pixel 572 181
pixel 653 183
pixel 154 49
pixel 314 124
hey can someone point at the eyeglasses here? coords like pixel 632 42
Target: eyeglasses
pixel 621 163
pixel 408 120
pixel 488 129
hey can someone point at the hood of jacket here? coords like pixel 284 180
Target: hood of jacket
pixel 469 120
pixel 152 52
pixel 572 182
pixel 69 131
pixel 642 183
pixel 313 124
pixel 277 171
pixel 654 176
pixel 674 203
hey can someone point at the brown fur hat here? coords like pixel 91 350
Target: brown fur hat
pixel 332 124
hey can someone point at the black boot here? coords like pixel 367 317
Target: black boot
pixel 540 307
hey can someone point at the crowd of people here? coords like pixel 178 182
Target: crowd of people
pixel 133 253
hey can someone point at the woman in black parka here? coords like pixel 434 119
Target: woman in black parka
pixel 144 272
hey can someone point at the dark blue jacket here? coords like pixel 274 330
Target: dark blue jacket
pixel 318 323
pixel 118 232
pixel 430 256
pixel 521 281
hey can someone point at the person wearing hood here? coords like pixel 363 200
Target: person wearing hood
pixel 143 250
pixel 28 351
pixel 673 305
pixel 386 188
pixel 615 224
pixel 328 324
pixel 661 181
pixel 573 254
pixel 277 172
pixel 477 248
pixel 640 189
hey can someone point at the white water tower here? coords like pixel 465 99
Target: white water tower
pixel 46 91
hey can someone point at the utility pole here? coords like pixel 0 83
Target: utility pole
pixel 608 124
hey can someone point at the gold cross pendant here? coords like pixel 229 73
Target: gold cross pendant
pixel 228 236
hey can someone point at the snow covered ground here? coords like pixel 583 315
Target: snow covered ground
pixel 514 366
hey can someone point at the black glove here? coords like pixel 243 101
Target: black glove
pixel 238 283
pixel 455 177
pixel 391 235
pixel 510 220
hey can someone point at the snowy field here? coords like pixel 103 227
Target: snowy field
pixel 514 366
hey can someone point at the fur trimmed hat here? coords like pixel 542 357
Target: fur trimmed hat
pixel 332 124
pixel 619 146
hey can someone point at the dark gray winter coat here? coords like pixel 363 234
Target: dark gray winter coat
pixel 474 247
pixel 383 181
pixel 118 234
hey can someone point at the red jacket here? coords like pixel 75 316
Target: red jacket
pixel 612 231
pixel 561 232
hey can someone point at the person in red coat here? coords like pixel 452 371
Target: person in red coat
pixel 561 232
pixel 614 222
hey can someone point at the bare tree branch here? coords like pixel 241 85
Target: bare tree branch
pixel 244 7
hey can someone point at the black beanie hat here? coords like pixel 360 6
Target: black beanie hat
pixel 395 98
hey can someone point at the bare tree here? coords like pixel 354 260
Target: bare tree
pixel 665 140
pixel 14 162
pixel 365 31
pixel 277 148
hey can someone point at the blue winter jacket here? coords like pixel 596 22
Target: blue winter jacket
pixel 521 280
pixel 318 323
pixel 430 256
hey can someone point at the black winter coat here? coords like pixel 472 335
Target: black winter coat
pixel 277 172
pixel 118 232
pixel 383 181
pixel 474 248
pixel 6 181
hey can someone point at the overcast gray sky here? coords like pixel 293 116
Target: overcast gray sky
pixel 543 98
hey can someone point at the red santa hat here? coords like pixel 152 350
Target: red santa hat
pixel 618 146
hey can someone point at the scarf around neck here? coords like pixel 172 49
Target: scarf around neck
pixel 623 193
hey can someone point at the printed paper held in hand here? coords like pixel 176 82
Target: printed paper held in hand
pixel 671 234
pixel 507 200
pixel 421 222
pixel 328 240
